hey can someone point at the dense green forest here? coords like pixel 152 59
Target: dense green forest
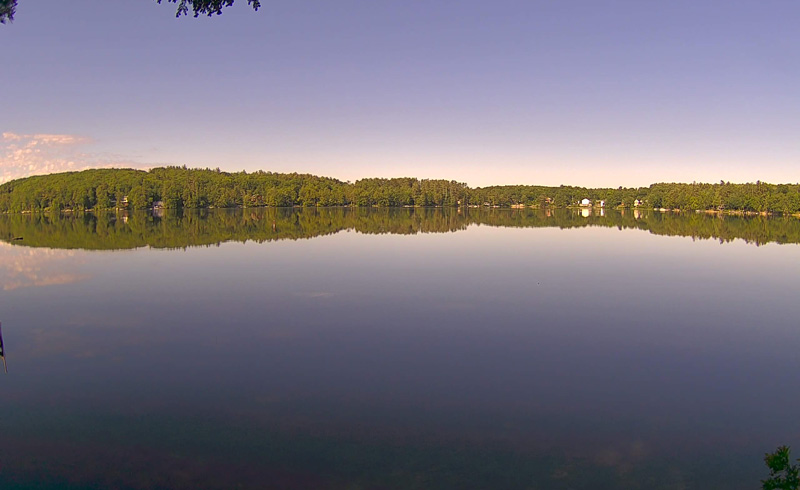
pixel 189 228
pixel 179 187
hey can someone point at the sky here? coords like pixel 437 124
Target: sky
pixel 599 93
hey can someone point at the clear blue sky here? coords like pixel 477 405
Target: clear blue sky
pixel 586 92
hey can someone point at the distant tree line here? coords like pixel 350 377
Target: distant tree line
pixel 180 187
pixel 752 197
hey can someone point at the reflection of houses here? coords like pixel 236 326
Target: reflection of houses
pixel 586 212
pixel 158 209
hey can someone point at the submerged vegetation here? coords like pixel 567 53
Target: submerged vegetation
pixel 179 228
pixel 179 187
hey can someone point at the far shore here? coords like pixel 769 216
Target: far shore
pixel 717 212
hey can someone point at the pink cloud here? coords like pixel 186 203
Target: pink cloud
pixel 23 267
pixel 22 155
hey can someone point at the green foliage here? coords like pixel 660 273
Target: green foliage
pixel 198 7
pixel 206 7
pixel 7 8
pixel 782 474
pixel 753 198
pixel 179 187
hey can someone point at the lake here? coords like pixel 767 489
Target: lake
pixel 397 349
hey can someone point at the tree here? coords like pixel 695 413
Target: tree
pixel 7 8
pixel 206 7
pixel 198 7
pixel 782 474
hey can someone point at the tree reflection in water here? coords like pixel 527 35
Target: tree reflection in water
pixel 176 229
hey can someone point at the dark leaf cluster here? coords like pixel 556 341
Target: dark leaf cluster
pixel 198 7
pixel 783 475
pixel 206 7
pixel 7 9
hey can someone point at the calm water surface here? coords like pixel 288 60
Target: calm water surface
pixel 353 349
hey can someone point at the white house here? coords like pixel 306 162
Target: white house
pixel 586 202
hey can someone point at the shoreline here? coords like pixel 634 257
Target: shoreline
pixel 515 207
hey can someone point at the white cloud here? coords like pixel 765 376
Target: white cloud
pixel 22 155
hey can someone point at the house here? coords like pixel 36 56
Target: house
pixel 601 203
pixel 637 202
pixel 586 202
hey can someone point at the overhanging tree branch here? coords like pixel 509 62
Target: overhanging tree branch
pixel 198 7
pixel 206 7
pixel 7 8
